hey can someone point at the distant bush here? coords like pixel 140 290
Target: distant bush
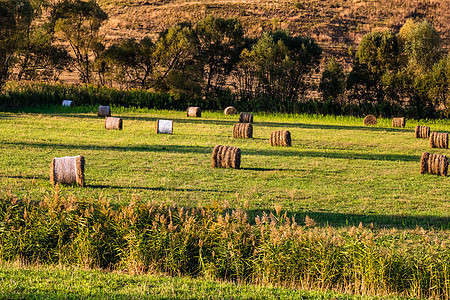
pixel 222 244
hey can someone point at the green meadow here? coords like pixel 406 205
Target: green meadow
pixel 341 214
pixel 338 171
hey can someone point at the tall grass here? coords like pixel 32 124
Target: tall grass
pixel 217 243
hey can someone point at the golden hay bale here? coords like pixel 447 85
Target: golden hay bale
pixel 67 170
pixel 230 110
pixel 433 164
pixel 439 140
pixel 194 112
pixel 68 103
pixel 226 157
pixel 280 138
pixel 398 122
pixel 104 111
pixel 243 130
pixel 370 120
pixel 113 123
pixel 245 117
pixel 422 132
pixel 164 126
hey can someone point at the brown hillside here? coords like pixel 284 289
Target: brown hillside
pixel 335 24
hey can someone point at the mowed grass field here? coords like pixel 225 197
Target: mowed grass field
pixel 338 171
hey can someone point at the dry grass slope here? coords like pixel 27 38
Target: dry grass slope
pixel 335 24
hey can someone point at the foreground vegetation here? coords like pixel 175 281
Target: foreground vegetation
pixel 218 244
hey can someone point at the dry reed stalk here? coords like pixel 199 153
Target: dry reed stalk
pixel 280 138
pixel 68 103
pixel 370 120
pixel 245 117
pixel 230 110
pixel 243 130
pixel 104 111
pixel 113 123
pixel 433 164
pixel 422 132
pixel 398 122
pixel 164 126
pixel 226 157
pixel 194 112
pixel 439 140
pixel 67 170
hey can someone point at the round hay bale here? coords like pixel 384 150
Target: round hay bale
pixel 67 170
pixel 113 123
pixel 230 110
pixel 280 138
pixel 194 112
pixel 243 130
pixel 245 117
pixel 68 103
pixel 439 140
pixel 422 132
pixel 398 122
pixel 104 111
pixel 164 126
pixel 226 157
pixel 370 120
pixel 434 164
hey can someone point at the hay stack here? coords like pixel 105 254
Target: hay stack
pixel 113 123
pixel 164 126
pixel 245 117
pixel 226 157
pixel 370 120
pixel 194 112
pixel 67 170
pixel 104 111
pixel 68 103
pixel 398 122
pixel 280 138
pixel 433 164
pixel 230 110
pixel 243 130
pixel 422 132
pixel 439 140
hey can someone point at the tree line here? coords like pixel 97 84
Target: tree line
pixel 215 62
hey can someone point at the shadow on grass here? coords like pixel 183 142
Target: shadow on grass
pixel 156 189
pixel 30 177
pixel 379 221
pixel 336 154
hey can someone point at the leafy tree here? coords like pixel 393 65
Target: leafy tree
pixel 220 43
pixel 132 61
pixel 332 82
pixel 175 68
pixel 278 66
pixel 15 17
pixel 375 66
pixel 440 84
pixel 79 23
pixel 422 45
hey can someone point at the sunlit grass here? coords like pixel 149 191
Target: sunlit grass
pixel 337 170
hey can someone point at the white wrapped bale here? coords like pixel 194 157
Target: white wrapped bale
pixel 164 126
pixel 68 103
